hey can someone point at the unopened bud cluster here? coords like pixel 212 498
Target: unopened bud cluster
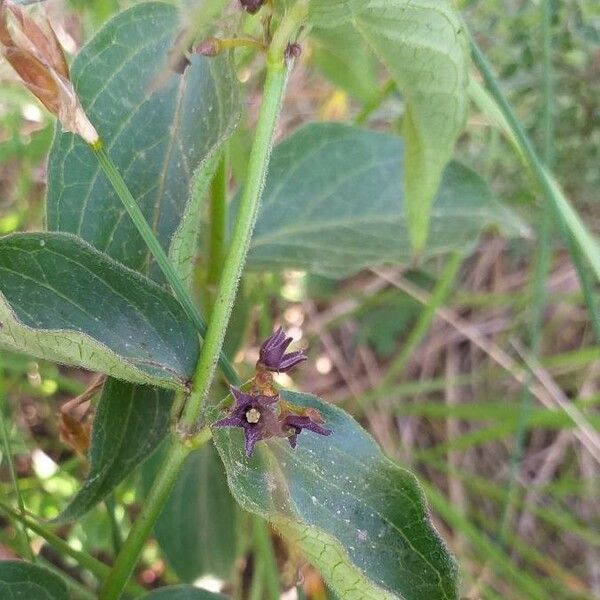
pixel 34 52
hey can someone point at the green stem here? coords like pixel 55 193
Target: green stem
pixel 94 566
pixel 157 251
pixel 240 240
pixel 266 559
pixel 438 297
pixel 217 243
pixel 177 453
pixel 180 447
pixel 25 541
pixel 562 209
pixel 115 531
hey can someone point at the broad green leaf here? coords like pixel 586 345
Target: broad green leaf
pixel 333 204
pixel 61 300
pixel 158 127
pixel 423 45
pixel 20 580
pixel 357 516
pixel 130 422
pixel 331 13
pixel 343 58
pixel 182 592
pixel 196 528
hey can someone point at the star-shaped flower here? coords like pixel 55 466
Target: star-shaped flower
pixel 272 354
pixel 294 421
pixel 254 414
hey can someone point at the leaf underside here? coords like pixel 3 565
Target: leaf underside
pixel 358 517
pixel 20 580
pixel 333 204
pixel 423 45
pixel 158 127
pixel 62 300
pixel 130 421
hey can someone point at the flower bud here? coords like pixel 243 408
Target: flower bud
pixel 35 54
pixel 211 46
pixel 251 6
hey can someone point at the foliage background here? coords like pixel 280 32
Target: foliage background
pixel 522 518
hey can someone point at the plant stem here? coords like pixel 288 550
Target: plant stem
pixel 266 559
pixel 94 566
pixel 115 532
pixel 25 541
pixel 236 257
pixel 134 211
pixel 563 211
pixel 182 444
pixel 217 243
pixel 159 493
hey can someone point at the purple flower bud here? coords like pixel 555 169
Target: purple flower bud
pixel 272 354
pixel 252 6
pixel 293 50
pixel 211 46
pixel 254 414
pixel 292 424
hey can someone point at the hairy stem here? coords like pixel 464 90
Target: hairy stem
pixel 240 240
pixel 93 565
pixel 140 531
pixel 184 443
pixel 157 251
pixel 25 541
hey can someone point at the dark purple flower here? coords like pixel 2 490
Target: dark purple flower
pixel 251 6
pixel 292 424
pixel 273 356
pixel 254 414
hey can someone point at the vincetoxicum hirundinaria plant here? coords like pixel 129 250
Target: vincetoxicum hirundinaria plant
pixel 147 114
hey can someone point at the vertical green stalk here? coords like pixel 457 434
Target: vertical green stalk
pixel 240 240
pixel 265 557
pixel 24 534
pixel 217 242
pixel 182 444
pixel 157 251
pixel 564 213
pixel 142 528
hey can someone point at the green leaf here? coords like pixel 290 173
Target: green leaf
pixel 332 13
pixel 358 517
pixel 130 422
pixel 342 57
pixel 196 528
pixel 61 300
pixel 182 592
pixel 424 47
pixel 333 204
pixel 23 581
pixel 158 127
